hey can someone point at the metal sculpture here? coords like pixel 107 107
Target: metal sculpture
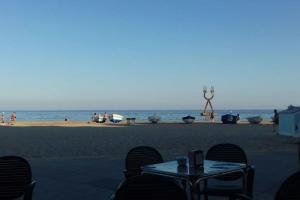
pixel 208 101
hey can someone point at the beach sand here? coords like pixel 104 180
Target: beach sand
pixel 93 154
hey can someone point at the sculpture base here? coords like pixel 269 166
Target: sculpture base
pixel 207 113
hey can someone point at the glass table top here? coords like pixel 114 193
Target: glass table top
pixel 210 168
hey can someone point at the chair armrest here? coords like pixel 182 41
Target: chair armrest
pixel 29 191
pixel 250 167
pixel 250 173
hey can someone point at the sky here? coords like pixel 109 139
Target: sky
pixel 155 54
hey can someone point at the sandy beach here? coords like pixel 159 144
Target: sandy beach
pixel 65 148
pixel 80 139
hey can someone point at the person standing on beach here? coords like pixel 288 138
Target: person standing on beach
pixel 13 117
pixel 275 120
pixel 94 117
pixel 105 117
pixel 238 118
pixel 2 118
pixel 212 116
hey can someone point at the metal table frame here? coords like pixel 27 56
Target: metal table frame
pixel 194 177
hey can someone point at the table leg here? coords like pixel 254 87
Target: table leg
pixel 194 191
pixel 184 183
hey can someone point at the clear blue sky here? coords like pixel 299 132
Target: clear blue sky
pixel 148 54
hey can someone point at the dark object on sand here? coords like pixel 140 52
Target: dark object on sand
pixel 188 119
pixel 138 157
pixel 255 119
pixel 149 187
pixel 130 121
pixel 154 119
pixel 229 119
pixel 15 178
pixel 289 190
pixel 230 153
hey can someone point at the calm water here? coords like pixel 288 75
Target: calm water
pixel 140 115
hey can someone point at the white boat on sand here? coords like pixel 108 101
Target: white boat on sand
pixel 255 119
pixel 115 118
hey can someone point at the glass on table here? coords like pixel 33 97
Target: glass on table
pixel 181 161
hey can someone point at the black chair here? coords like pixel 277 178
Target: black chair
pixel 228 185
pixel 149 187
pixel 15 178
pixel 138 157
pixel 290 188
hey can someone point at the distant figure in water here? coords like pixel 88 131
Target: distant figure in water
pixel 66 119
pixel 13 117
pixel 275 120
pixel 212 116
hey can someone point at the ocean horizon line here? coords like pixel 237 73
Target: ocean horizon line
pixel 92 110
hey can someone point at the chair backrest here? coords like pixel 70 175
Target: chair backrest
pixel 15 176
pixel 227 153
pixel 149 187
pixel 290 188
pixel 140 156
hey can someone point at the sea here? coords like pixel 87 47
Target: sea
pixel 140 115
